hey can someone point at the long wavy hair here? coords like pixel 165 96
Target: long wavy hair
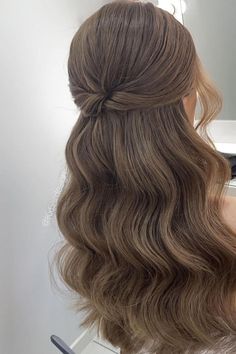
pixel 145 247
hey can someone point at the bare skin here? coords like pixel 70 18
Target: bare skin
pixel 229 211
pixel 190 102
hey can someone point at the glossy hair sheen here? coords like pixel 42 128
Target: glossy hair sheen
pixel 145 249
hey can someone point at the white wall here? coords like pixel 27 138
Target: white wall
pixel 212 25
pixel 37 114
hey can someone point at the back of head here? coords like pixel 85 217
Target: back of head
pixel 146 247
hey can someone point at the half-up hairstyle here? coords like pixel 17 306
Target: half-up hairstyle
pixel 146 249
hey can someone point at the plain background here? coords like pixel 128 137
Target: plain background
pixel 37 115
pixel 212 26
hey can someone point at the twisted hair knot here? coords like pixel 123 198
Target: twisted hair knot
pixel 94 103
pixel 90 103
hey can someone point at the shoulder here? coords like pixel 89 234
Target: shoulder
pixel 229 211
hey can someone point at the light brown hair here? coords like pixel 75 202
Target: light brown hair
pixel 146 250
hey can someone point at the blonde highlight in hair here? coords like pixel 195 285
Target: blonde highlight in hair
pixel 146 247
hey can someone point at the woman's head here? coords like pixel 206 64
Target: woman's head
pixel 146 247
pixel 152 63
